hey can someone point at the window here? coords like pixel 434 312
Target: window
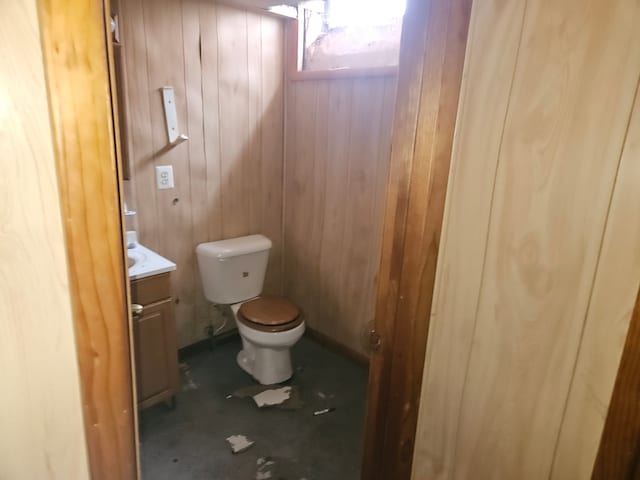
pixel 338 35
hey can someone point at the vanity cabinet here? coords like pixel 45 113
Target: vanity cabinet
pixel 154 333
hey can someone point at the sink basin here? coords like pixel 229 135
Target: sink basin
pixel 135 256
pixel 143 262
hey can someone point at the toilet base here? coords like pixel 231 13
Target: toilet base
pixel 266 356
pixel 267 365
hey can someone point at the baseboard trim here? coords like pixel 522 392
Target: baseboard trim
pixel 331 344
pixel 207 344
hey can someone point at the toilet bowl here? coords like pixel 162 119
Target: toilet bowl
pixel 232 273
pixel 265 353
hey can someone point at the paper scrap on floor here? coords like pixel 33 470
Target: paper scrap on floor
pixel 274 396
pixel 264 466
pixel 187 382
pixel 239 443
pixel 294 402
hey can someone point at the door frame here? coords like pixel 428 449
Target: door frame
pixel 434 41
pixel 76 58
pixel 76 55
pixel 619 451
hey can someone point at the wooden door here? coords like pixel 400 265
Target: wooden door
pixel 539 261
pixel 432 51
pixel 76 55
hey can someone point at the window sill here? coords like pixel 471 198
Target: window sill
pixel 337 73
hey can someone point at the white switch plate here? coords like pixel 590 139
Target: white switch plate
pixel 164 177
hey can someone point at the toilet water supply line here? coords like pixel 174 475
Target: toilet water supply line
pixel 211 332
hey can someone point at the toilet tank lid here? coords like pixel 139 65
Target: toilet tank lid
pixel 233 247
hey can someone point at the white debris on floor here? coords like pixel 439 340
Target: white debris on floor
pixel 239 443
pixel 271 397
pixel 187 381
pixel 264 468
pixel 325 396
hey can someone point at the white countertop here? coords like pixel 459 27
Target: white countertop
pixel 148 262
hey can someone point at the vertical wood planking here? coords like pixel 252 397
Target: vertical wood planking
pixel 233 100
pixel 336 164
pixel 526 311
pixel 41 409
pixel 165 39
pixel 253 180
pixel 75 54
pixel 382 177
pixel 316 175
pixel 272 146
pixel 328 283
pixel 482 111
pixel 225 65
pixel 610 307
pixel 299 192
pixel 359 242
pixel 551 199
pixel 213 202
pixel 199 218
pixel 430 71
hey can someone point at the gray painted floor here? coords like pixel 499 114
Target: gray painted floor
pixel 188 443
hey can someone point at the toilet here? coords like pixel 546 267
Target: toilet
pixel 232 273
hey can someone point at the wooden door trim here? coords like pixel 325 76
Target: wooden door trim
pixel 75 56
pixel 619 452
pixel 432 56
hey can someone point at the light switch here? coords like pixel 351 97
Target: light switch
pixel 164 176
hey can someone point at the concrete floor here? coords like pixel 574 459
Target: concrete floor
pixel 188 443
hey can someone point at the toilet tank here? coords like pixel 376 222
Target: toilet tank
pixel 233 270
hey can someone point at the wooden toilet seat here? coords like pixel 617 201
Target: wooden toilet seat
pixel 270 314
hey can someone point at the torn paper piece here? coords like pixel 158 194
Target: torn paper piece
pixel 264 462
pixel 239 443
pixel 293 403
pixel 272 397
pixel 264 468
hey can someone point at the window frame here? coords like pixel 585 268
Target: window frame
pixel 294 50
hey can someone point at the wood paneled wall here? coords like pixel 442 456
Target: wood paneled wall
pixel 226 66
pixel 338 137
pixel 40 406
pixel 539 263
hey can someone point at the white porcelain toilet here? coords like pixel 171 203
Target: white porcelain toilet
pixel 232 273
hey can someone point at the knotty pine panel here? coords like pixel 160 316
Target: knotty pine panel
pixel 528 324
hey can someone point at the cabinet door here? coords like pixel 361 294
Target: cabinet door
pixel 156 353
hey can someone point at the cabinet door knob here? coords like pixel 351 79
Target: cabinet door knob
pixel 136 310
